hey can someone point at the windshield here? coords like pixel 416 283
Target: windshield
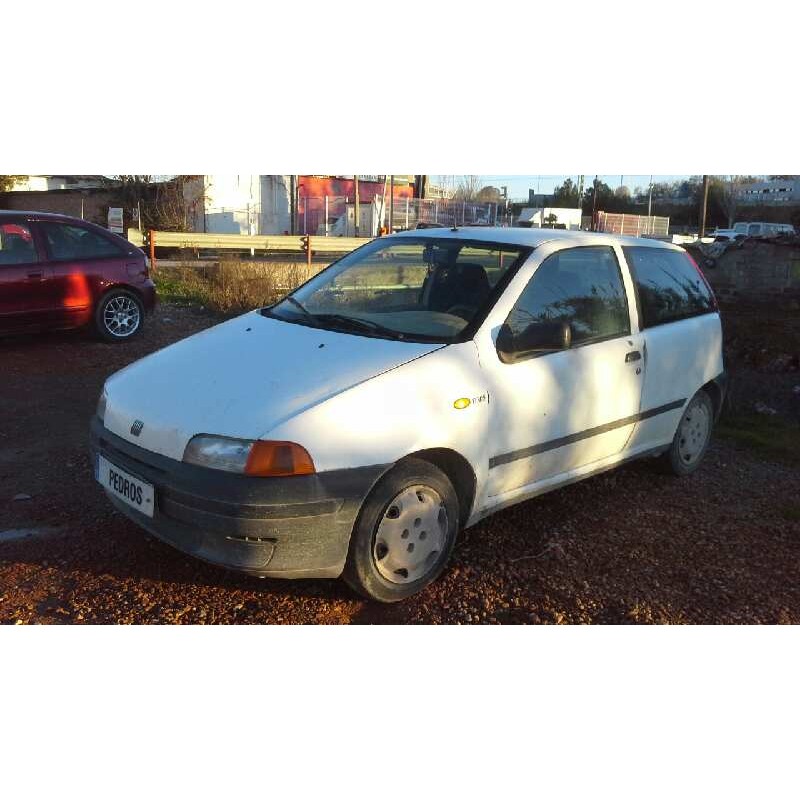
pixel 412 288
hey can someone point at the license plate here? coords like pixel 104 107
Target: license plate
pixel 135 492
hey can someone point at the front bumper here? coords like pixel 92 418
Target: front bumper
pixel 297 527
pixel 148 294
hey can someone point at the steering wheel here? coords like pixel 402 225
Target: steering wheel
pixel 463 311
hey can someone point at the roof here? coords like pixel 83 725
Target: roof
pixel 533 237
pixel 34 215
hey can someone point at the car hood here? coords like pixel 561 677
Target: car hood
pixel 241 379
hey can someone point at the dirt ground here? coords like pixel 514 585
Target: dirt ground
pixel 628 546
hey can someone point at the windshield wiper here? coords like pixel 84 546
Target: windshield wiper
pixel 359 324
pixel 306 312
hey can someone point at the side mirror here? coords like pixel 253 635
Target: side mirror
pixel 538 337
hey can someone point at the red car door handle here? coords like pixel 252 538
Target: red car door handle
pixel 36 275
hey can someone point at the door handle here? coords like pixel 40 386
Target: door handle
pixel 634 355
pixel 36 275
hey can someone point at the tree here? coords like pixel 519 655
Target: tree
pixel 165 205
pixel 488 194
pixel 7 182
pixel 468 188
pixel 605 196
pixel 566 195
pixel 728 195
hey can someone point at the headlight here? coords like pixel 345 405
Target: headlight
pixel 248 457
pixel 101 405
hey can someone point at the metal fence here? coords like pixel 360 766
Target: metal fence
pixel 335 216
pixel 632 224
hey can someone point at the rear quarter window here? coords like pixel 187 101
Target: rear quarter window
pixel 74 242
pixel 669 285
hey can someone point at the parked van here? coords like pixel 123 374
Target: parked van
pixel 763 229
pixel 411 389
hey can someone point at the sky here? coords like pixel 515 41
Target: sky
pixel 518 185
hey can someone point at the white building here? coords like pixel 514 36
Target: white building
pixel 569 218
pixel 249 204
pixel 49 183
pixel 774 192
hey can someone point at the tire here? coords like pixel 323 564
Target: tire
pixel 119 316
pixel 692 437
pixel 404 533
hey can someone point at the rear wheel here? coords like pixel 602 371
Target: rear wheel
pixel 119 316
pixel 692 437
pixel 404 534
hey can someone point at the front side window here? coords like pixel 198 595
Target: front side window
pixel 16 244
pixel 74 242
pixel 669 284
pixel 418 289
pixel 581 286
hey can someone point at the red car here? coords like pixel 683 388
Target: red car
pixel 59 272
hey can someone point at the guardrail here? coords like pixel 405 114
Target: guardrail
pixel 185 240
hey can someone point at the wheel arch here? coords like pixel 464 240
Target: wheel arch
pixel 717 395
pixel 118 286
pixel 458 470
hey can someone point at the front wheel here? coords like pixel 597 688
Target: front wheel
pixel 404 534
pixel 692 437
pixel 119 316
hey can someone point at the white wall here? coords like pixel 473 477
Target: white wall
pixel 39 183
pixel 571 217
pixel 275 214
pixel 232 203
pixel 248 204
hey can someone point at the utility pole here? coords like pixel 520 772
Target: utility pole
pixel 391 204
pixel 594 205
pixel 356 211
pixel 650 198
pixel 293 204
pixel 705 207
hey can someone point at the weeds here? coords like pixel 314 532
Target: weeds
pixel 231 286
pixel 769 435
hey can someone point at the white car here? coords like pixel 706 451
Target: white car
pixel 728 235
pixel 408 391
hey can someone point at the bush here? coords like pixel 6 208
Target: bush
pixel 231 285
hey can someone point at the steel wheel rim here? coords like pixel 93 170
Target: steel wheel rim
pixel 411 535
pixel 121 316
pixel 694 431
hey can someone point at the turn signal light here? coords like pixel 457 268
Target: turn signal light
pixel 278 459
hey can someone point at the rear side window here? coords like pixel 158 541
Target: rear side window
pixel 16 244
pixel 670 286
pixel 73 242
pixel 581 286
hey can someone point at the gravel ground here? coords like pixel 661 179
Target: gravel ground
pixel 627 546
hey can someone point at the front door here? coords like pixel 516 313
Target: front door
pixel 78 258
pixel 24 297
pixel 557 410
